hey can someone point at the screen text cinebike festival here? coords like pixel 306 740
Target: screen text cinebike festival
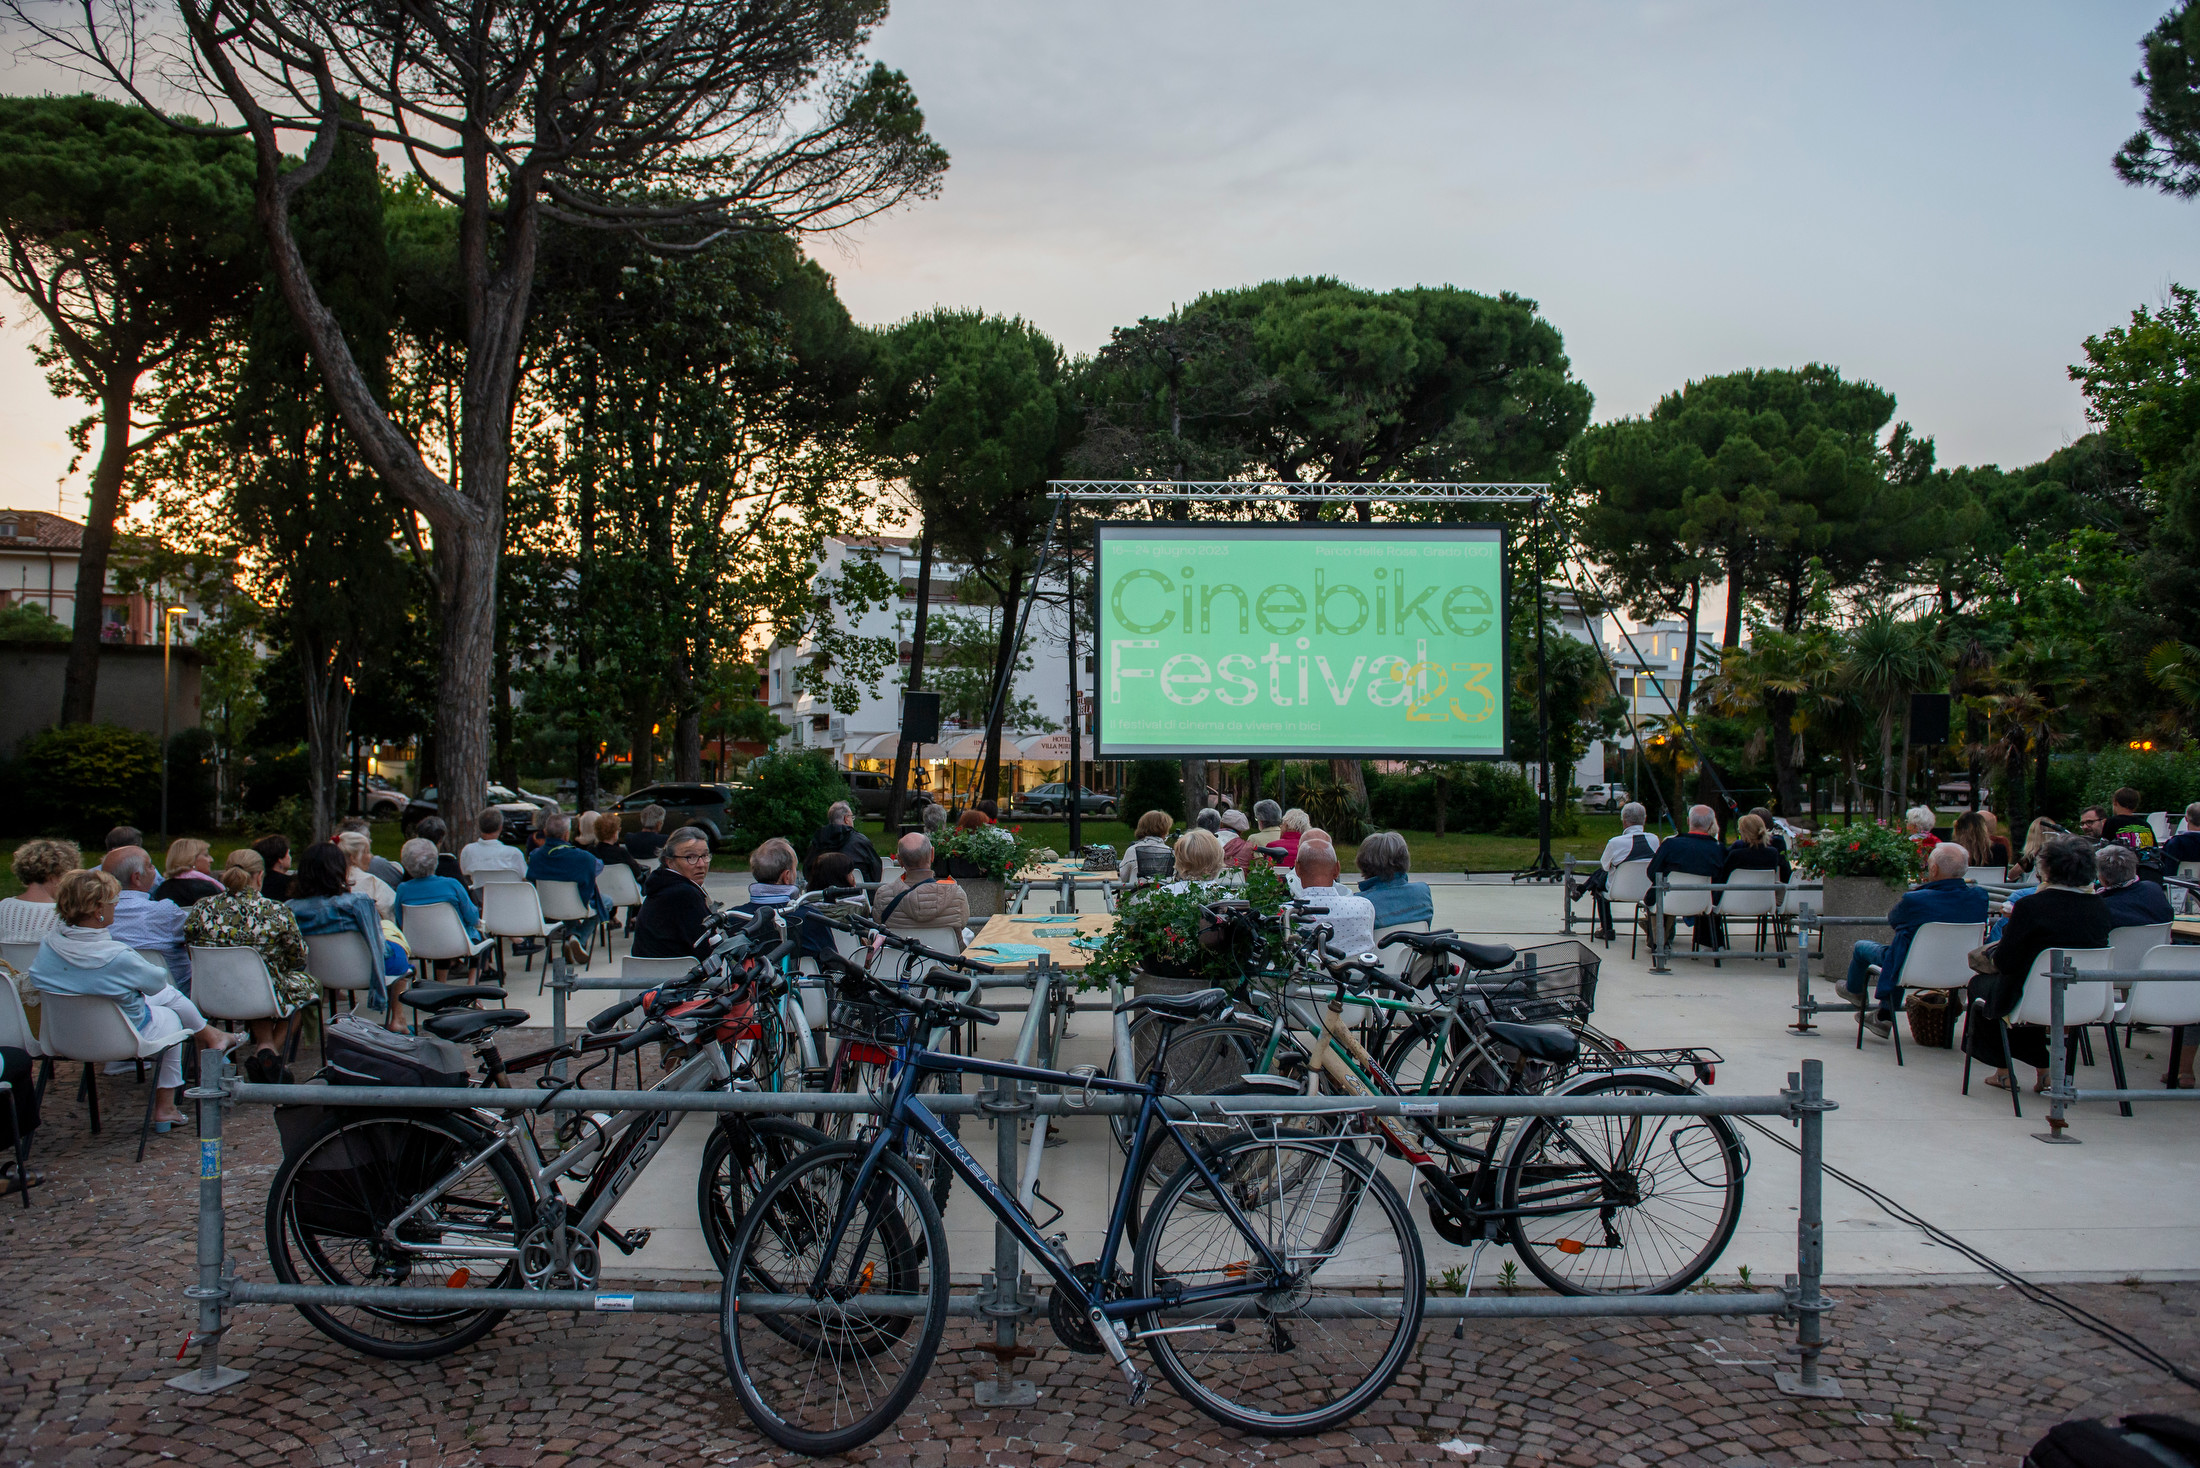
pixel 1387 640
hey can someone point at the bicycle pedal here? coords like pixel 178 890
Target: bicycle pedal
pixel 628 1242
pixel 1141 1384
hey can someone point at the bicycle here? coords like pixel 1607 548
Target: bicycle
pixel 388 1198
pixel 1592 1205
pixel 836 1297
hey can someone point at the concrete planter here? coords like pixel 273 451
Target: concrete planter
pixel 1856 897
pixel 985 896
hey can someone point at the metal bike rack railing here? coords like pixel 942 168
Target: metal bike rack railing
pixel 1006 1295
pixel 2062 1088
pixel 1807 924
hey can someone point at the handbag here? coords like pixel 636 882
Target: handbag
pixel 1981 958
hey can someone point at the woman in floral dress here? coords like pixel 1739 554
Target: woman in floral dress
pixel 241 917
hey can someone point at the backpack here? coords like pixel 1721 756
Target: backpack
pixel 361 1053
pixel 2143 1440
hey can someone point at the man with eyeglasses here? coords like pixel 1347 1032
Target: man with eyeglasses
pixel 674 908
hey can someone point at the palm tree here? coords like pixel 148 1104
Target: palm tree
pixel 2175 669
pixel 1887 660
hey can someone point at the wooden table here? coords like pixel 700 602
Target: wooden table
pixel 2187 931
pixel 1052 934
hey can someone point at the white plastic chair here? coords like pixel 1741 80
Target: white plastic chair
pixel 18 956
pixel 621 893
pixel 233 983
pixel 341 963
pixel 1753 893
pixel 946 940
pixel 1938 958
pixel 1687 895
pixel 2158 823
pixel 434 933
pixel 2173 1006
pixel 2186 901
pixel 1397 958
pixel 95 1031
pixel 2085 1003
pixel 488 876
pixel 2131 945
pixel 159 956
pixel 15 1023
pixel 514 910
pixel 562 903
pixel 1629 883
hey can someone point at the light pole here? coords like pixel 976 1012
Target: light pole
pixel 168 617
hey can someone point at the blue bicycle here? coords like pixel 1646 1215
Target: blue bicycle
pixel 1277 1277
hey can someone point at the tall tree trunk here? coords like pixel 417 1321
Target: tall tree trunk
pixel 80 677
pixel 1733 637
pixel 586 747
pixel 1352 775
pixel 1439 822
pixel 1004 684
pixel 507 755
pixel 1688 651
pixel 1195 786
pixel 642 742
pixel 1780 709
pixel 687 718
pixel 904 752
pixel 1886 760
pixel 328 712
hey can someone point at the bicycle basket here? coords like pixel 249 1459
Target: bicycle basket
pixel 877 1024
pixel 1548 982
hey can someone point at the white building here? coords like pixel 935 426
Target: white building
pixel 1648 662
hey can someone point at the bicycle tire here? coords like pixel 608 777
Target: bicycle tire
pixel 1686 1192
pixel 1467 1137
pixel 1279 1380
pixel 1204 1059
pixel 789 1355
pixel 331 1200
pixel 870 1078
pixel 727 1183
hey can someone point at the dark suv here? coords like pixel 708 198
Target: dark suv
pixel 702 806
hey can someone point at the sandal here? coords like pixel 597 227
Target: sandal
pixel 1999 1083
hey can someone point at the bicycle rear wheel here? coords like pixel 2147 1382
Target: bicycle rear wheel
pixel 331 1221
pixel 1323 1339
pixel 834 1370
pixel 1624 1205
pixel 737 1161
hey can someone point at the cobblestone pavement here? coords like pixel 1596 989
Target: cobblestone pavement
pixel 92 1316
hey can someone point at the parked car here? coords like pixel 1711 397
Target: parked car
pixel 1053 799
pixel 521 810
pixel 868 790
pixel 384 801
pixel 702 806
pixel 1603 797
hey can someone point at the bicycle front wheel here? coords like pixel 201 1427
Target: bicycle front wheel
pixel 1624 1205
pixel 833 1369
pixel 740 1157
pixel 1318 1341
pixel 334 1218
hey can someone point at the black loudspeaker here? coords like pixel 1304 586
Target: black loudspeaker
pixel 920 717
pixel 1929 718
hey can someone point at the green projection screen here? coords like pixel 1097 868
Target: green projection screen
pixel 1384 640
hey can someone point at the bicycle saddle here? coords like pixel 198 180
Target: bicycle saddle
pixel 465 1024
pixel 1553 1043
pixel 440 997
pixel 1482 956
pixel 1200 1004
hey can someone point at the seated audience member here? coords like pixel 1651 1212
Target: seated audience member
pixel 38 864
pixel 1774 836
pixel 649 841
pixel 2131 903
pixel 1942 897
pixel 387 872
pixel 584 830
pixel 190 873
pixel 1350 917
pixel 122 836
pixel 432 830
pixel 609 849
pixel 914 897
pixel 1695 852
pixel 18 1120
pixel 840 834
pixel 1633 843
pixel 358 852
pixel 972 819
pixel 1148 856
pixel 1975 836
pixel 322 901
pixel 991 810
pixel 1209 820
pixel 1917 823
pixel 935 819
pixel 2093 821
pixel 2184 843
pixel 2064 913
pixel 489 853
pixel 1998 843
pixel 245 917
pixel 275 858
pixel 674 907
pixel 140 921
pixel 772 879
pixel 81 955
pixel 1383 861
pixel 2036 837
pixel 1237 851
pixel 1198 857
pixel 1296 825
pixel 559 860
pixel 833 869
pixel 2126 824
pixel 1267 823
pixel 1752 851
pixel 425 886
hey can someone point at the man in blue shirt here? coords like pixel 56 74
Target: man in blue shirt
pixel 1943 897
pixel 142 923
pixel 559 860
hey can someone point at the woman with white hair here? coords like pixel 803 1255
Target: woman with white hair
pixel 358 851
pixel 1237 847
pixel 1383 861
pixel 424 886
pixel 1917 824
pixel 1296 823
pixel 1198 859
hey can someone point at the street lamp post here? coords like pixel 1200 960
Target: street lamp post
pixel 167 621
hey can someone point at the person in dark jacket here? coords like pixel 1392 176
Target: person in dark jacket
pixel 674 908
pixel 1943 897
pixel 2131 902
pixel 431 828
pixel 1696 852
pixel 2063 913
pixel 840 834
pixel 2184 843
pixel 559 860
pixel 1753 850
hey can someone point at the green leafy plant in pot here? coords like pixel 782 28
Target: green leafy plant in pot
pixel 1866 868
pixel 983 861
pixel 1156 933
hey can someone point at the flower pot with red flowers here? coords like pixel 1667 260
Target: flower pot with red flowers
pixel 1866 868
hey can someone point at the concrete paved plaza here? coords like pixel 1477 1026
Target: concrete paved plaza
pixel 1939 1364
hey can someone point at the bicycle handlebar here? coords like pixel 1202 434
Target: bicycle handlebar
pixel 613 1015
pixel 643 1035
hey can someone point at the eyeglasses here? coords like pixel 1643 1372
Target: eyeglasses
pixel 703 855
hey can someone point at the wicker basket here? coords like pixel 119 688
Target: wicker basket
pixel 1932 1015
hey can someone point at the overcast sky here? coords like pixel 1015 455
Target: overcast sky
pixel 1920 195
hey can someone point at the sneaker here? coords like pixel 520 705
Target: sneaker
pixel 1573 889
pixel 1849 996
pixel 575 954
pixel 1881 1024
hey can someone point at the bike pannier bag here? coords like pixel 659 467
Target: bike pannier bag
pixel 361 1053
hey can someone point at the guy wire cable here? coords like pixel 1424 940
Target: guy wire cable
pixel 2038 1293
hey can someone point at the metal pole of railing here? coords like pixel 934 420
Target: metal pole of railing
pixel 1566 905
pixel 1805 1005
pixel 212 1289
pixel 554 956
pixel 1659 964
pixel 2060 970
pixel 1808 1094
pixel 1002 1298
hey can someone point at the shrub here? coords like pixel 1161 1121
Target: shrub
pixel 28 622
pixel 993 852
pixel 1157 931
pixel 2165 779
pixel 1153 784
pixel 787 795
pixel 1865 849
pixel 81 780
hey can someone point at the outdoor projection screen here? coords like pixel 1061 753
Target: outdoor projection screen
pixel 1382 640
